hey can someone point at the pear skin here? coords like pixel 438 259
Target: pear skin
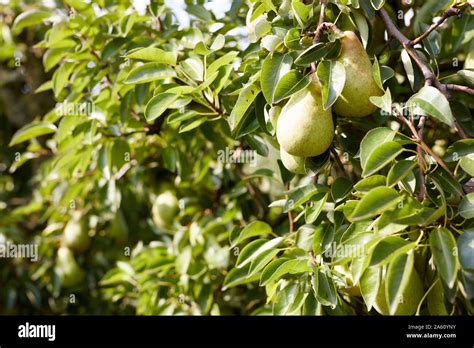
pixel 360 85
pixel 165 208
pixel 304 128
pixel 68 269
pixel 292 163
pixel 76 235
pixel 410 297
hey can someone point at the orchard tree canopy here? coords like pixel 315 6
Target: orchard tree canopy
pixel 286 157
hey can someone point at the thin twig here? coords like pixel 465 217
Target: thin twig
pixel 421 165
pixel 450 12
pixel 338 161
pixel 317 36
pixel 423 145
pixel 460 88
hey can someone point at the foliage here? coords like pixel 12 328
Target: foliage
pixel 145 106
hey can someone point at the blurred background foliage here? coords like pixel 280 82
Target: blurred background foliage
pixel 132 212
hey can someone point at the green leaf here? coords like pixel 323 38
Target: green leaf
pixel 274 67
pixel 384 102
pixel 282 266
pixel 292 39
pixel 262 260
pixel 312 212
pixel 369 285
pixel 376 202
pixel 238 276
pixel 466 207
pixel 429 101
pixel 389 248
pixel 158 105
pixel 302 12
pixel 192 124
pixel 298 196
pixel 290 83
pixel 381 156
pixel 397 279
pixel 399 171
pixel 246 97
pixel 326 292
pixel 340 189
pixel 466 250
pixel 194 68
pixel 32 130
pixel 372 139
pixel 443 248
pixel 255 228
pixel 332 75
pixel 149 72
pixel 222 61
pixel 288 300
pixel 29 18
pixel 255 248
pixel 314 53
pixel 459 149
pixel 367 184
pixel 153 54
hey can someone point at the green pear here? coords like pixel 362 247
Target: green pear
pixel 409 299
pixel 304 128
pixel 76 234
pixel 435 300
pixel 67 268
pixel 118 229
pixel 360 85
pixel 165 208
pixel 293 163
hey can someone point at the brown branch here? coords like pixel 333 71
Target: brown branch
pixel 450 12
pixel 317 36
pixel 430 78
pixel 459 88
pixel 421 165
pixel 338 161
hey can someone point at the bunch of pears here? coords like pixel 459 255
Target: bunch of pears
pixel 304 129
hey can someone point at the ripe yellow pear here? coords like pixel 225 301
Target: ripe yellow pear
pixel 165 208
pixel 304 128
pixel 68 270
pixel 410 297
pixel 360 85
pixel 293 163
pixel 76 234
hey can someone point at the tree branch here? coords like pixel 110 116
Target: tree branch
pixel 450 12
pixel 459 88
pixel 317 36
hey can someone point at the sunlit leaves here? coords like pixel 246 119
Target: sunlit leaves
pixel 431 102
pixel 149 72
pixel 443 247
pixel 158 105
pixel 332 75
pixel 273 69
pixel 32 130
pixel 376 202
pixel 153 54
